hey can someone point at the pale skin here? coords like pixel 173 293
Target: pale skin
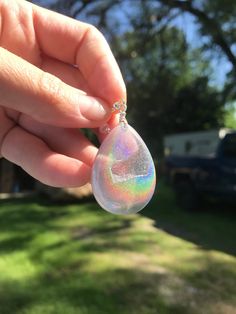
pixel 56 75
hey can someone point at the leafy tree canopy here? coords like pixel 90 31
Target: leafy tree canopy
pixel 169 80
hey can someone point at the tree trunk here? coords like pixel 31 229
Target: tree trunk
pixel 6 176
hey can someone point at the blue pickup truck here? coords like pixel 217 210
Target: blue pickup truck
pixel 197 179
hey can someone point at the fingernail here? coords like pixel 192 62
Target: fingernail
pixel 94 109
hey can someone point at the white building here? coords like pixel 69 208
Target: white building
pixel 202 143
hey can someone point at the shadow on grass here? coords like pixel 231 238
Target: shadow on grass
pixel 127 291
pixel 111 291
pixel 66 284
pixel 212 228
pixel 23 220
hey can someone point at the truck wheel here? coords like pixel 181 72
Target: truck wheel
pixel 187 196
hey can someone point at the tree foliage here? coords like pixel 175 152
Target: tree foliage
pixel 168 85
pixel 230 116
pixel 168 80
pixel 217 23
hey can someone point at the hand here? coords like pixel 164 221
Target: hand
pixel 56 75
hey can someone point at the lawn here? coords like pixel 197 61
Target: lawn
pixel 78 259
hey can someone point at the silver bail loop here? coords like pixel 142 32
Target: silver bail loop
pixel 121 107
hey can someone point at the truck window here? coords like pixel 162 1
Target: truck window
pixel 229 148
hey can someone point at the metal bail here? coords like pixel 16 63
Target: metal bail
pixel 121 107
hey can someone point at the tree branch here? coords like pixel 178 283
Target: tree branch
pixel 210 24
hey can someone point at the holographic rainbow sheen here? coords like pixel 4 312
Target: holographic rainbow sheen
pixel 123 174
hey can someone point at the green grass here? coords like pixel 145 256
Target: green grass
pixel 78 259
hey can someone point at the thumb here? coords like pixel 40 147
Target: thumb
pixel 44 97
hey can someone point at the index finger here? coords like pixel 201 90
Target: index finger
pixel 80 44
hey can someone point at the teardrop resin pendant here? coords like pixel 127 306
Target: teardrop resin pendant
pixel 123 174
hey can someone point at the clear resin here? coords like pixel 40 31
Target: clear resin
pixel 123 174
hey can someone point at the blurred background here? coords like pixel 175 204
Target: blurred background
pixel 61 253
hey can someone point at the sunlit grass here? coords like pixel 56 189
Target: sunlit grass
pixel 78 259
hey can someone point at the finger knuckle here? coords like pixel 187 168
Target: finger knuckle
pixel 50 88
pixel 94 33
pixel 6 127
